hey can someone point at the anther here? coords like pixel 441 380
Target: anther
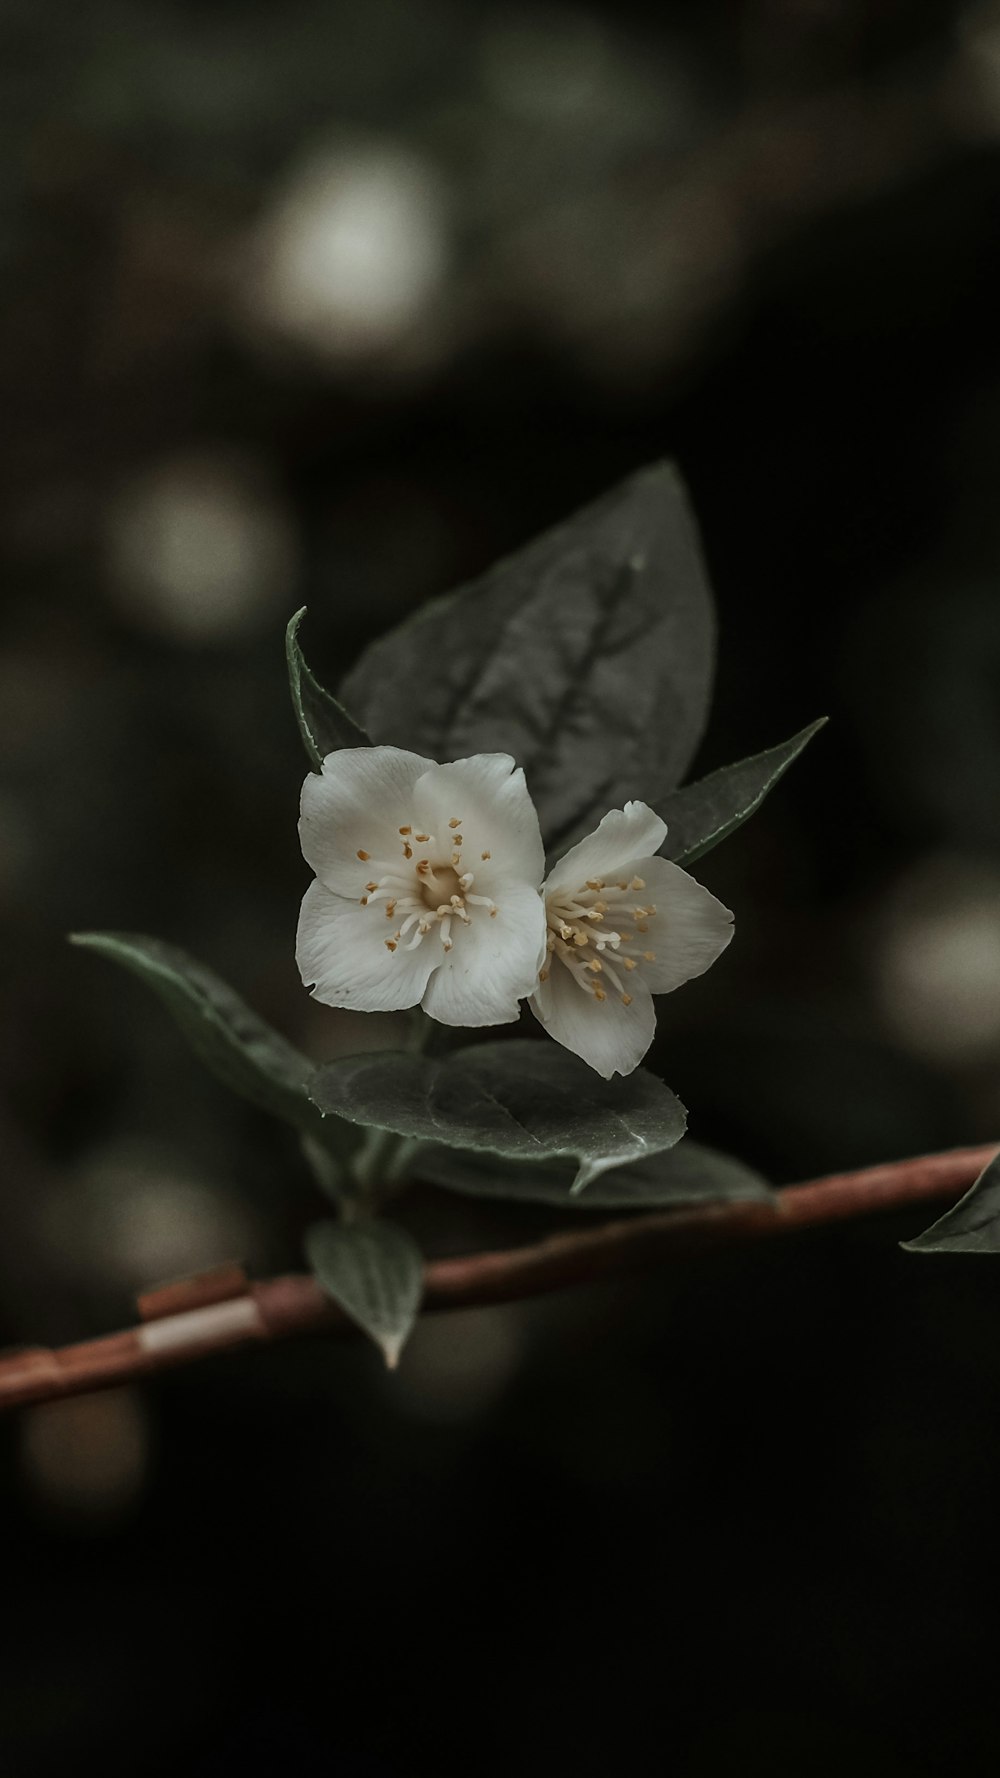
pixel 599 994
pixel 390 909
pixel 650 956
pixel 485 855
pixel 595 882
pixel 456 821
pixel 421 838
pixel 637 883
pixel 596 965
pixel 364 856
pixel 543 975
pixel 626 999
pixel 390 944
pixel 406 830
pixel 407 849
pixel 627 962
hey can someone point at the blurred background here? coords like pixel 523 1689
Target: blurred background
pixel 333 303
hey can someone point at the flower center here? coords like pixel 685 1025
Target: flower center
pixel 428 890
pixel 598 932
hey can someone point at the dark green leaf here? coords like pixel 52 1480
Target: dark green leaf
pixel 702 814
pixel 375 1271
pixel 324 724
pixel 687 1174
pixel 521 1099
pixel 972 1226
pixel 243 1051
pixel 588 656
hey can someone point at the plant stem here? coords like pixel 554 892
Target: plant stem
pixel 222 1310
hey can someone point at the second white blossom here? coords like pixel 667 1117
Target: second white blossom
pixel 623 925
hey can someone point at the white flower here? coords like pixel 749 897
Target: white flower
pixel 623 925
pixel 427 885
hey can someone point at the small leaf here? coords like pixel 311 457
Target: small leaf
pixel 972 1225
pixel 242 1050
pixel 324 724
pixel 375 1271
pixel 522 1099
pixel 685 1175
pixel 702 814
pixel 588 655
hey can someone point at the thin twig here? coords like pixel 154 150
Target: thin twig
pixel 221 1310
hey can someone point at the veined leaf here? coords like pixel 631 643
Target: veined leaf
pixel 676 1178
pixel 324 724
pixel 588 655
pixel 375 1272
pixel 241 1049
pixel 524 1100
pixel 972 1225
pixel 702 814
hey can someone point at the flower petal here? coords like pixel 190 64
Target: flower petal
pixel 489 798
pixel 494 963
pixel 340 948
pixel 610 1037
pixel 632 832
pixel 689 930
pixel 359 801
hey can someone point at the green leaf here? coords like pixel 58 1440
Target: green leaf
pixel 375 1271
pixel 242 1050
pixel 678 1177
pixel 972 1226
pixel 702 814
pixel 588 655
pixel 324 724
pixel 521 1099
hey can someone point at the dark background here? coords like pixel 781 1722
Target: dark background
pixel 335 304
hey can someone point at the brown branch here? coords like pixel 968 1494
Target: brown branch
pixel 222 1309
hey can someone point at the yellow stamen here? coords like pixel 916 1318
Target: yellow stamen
pixel 406 830
pixel 485 855
pixel 456 821
pixel 390 944
pixel 364 856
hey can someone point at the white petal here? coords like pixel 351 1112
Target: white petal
pixel 340 947
pixel 489 799
pixel 494 962
pixel 632 832
pixel 610 1037
pixel 689 930
pixel 359 801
